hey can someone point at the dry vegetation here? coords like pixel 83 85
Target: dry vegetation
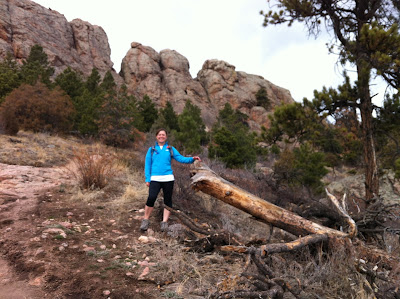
pixel 99 212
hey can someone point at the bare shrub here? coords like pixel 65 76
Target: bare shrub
pixel 93 169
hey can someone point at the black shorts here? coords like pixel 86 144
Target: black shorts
pixel 155 188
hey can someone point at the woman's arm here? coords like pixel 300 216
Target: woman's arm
pixel 147 166
pixel 182 159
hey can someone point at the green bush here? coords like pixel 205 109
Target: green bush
pixel 231 141
pixel 301 167
pixel 262 98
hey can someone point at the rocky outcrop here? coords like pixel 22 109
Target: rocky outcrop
pixel 77 44
pixel 162 76
pixel 225 85
pixel 165 77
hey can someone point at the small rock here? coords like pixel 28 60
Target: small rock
pixel 144 273
pixel 103 247
pixel 106 292
pixel 86 249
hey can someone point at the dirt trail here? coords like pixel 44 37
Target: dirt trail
pixel 20 188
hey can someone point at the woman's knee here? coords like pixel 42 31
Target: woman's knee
pixel 150 201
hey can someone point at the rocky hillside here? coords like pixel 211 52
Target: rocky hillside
pixel 163 76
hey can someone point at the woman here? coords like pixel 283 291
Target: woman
pixel 159 175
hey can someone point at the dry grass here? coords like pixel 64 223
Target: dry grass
pixel 93 167
pixel 40 149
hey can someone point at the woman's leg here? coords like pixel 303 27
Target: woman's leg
pixel 168 188
pixel 154 189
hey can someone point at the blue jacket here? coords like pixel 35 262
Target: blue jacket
pixel 159 163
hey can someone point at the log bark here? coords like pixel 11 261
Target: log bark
pixel 207 181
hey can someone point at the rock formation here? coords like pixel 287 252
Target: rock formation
pixel 162 76
pixel 165 77
pixel 77 44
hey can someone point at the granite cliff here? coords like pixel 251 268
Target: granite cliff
pixel 163 76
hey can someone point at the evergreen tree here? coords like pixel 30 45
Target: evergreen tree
pixel 88 105
pixel 192 132
pixel 9 78
pixel 93 81
pixel 301 167
pixel 108 84
pixel 292 123
pixel 388 132
pixel 149 114
pixel 170 117
pixel 262 98
pixel 71 82
pixel 367 36
pixel 117 119
pixel 231 141
pixel 36 67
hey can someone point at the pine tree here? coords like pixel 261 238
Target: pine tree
pixel 171 118
pixel 262 98
pixel 192 132
pixel 36 67
pixel 108 84
pixel 366 36
pixel 117 119
pixel 88 105
pixel 71 82
pixel 231 141
pixel 148 112
pixel 9 78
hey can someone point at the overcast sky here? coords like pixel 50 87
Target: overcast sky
pixel 213 29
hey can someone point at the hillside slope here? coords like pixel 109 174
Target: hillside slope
pixel 66 242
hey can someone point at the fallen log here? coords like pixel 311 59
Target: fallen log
pixel 278 247
pixel 207 181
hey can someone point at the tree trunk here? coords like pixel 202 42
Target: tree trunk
pixel 207 181
pixel 371 168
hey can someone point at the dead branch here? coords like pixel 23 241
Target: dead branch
pixel 278 247
pixel 186 220
pixel 342 211
pixel 213 238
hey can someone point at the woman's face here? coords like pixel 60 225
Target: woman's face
pixel 161 137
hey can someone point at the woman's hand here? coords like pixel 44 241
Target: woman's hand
pixel 197 158
pixel 147 184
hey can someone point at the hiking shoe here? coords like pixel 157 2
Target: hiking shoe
pixel 145 225
pixel 164 226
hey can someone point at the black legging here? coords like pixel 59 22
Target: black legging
pixel 155 188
